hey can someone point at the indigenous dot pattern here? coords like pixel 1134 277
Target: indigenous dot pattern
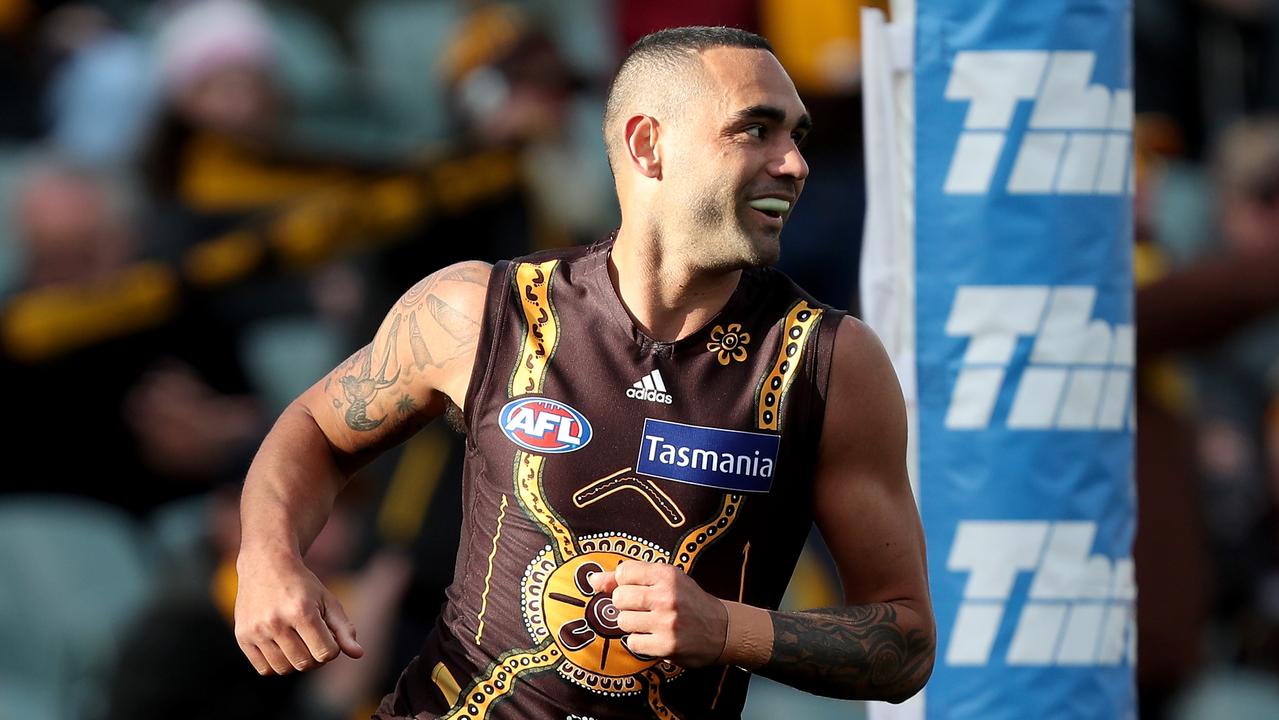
pixel 799 323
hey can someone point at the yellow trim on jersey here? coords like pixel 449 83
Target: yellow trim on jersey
pixel 799 324
pixel 528 487
pixel 488 576
pixel 500 678
pixel 447 684
pixel 659 709
pixel 697 539
pixel 542 334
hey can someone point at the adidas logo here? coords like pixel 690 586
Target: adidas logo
pixel 651 388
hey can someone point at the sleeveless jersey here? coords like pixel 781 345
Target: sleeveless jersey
pixel 589 444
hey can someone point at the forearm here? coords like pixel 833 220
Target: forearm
pixel 1206 301
pixel 879 651
pixel 290 488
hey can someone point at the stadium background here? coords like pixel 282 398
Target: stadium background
pixel 206 205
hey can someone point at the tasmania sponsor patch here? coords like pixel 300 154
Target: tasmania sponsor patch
pixel 713 457
pixel 543 425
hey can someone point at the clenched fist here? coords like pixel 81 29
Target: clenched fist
pixel 286 620
pixel 665 612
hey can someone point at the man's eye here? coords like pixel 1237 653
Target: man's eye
pixel 799 138
pixel 756 131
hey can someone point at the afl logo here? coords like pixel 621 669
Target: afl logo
pixel 544 425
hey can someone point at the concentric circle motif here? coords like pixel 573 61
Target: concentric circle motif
pixel 560 603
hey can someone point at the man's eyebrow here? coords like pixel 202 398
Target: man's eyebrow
pixel 774 113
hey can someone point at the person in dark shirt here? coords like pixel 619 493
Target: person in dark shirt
pixel 652 424
pixel 123 393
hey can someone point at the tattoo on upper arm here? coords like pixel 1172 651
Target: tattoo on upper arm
pixel 470 273
pixel 421 355
pixel 460 327
pixel 414 295
pixel 362 388
pixel 360 385
pixel 853 652
pixel 405 406
pixel 473 274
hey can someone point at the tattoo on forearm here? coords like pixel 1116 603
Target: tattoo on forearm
pixel 859 652
pixel 361 389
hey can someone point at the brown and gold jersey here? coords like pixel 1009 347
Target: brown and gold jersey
pixel 589 444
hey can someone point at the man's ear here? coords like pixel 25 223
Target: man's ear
pixel 642 133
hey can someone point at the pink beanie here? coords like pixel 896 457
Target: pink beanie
pixel 204 36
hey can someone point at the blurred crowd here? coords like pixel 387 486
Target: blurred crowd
pixel 1207 311
pixel 207 204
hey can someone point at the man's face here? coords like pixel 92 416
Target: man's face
pixel 733 166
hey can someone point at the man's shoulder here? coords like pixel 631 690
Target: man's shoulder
pixel 771 282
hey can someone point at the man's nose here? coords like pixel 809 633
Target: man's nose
pixel 792 164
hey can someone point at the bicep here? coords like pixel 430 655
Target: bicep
pixel 419 359
pixel 863 502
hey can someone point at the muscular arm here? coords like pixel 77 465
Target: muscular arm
pixel 880 644
pixel 877 651
pixel 420 358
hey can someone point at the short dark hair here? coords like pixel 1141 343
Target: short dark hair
pixel 694 38
pixel 668 51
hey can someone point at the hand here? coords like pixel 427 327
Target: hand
pixel 665 612
pixel 185 428
pixel 286 620
pixel 375 594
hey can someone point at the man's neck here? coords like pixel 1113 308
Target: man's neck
pixel 666 297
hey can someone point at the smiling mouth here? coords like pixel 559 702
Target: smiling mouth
pixel 773 208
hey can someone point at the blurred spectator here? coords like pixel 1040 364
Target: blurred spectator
pixel 510 86
pixel 112 380
pixel 217 64
pixel 221 158
pixel 1247 168
pixel 101 97
pixel 1203 486
pixel 220 135
pixel 1236 383
pixel 74 227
